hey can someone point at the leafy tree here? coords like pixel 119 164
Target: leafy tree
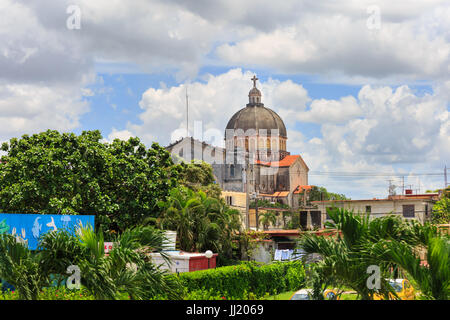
pixel 345 259
pixel 321 194
pixel 433 279
pixel 126 270
pixel 198 176
pixel 202 223
pixel 441 210
pixel 268 218
pixel 20 268
pixel 62 173
pixel 262 203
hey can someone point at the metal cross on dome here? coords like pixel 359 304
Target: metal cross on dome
pixel 254 81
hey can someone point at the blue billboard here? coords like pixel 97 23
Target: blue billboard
pixel 27 228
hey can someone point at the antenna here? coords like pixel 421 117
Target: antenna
pixel 403 185
pixel 445 177
pixel 187 113
pixel 391 188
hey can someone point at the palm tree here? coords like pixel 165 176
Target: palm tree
pixel 20 268
pixel 127 269
pixel 202 222
pixel 268 218
pixel 179 214
pixel 433 279
pixel 345 260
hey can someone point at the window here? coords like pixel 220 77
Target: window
pixel 229 200
pixel 232 170
pixel 368 209
pixel 408 211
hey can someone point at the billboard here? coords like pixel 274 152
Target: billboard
pixel 27 228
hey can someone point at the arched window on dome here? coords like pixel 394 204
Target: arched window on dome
pixel 275 145
pixel 253 144
pixel 261 143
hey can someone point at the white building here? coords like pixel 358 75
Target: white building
pixel 409 206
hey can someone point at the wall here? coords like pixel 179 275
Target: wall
pixel 380 208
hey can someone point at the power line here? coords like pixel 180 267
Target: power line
pixel 372 174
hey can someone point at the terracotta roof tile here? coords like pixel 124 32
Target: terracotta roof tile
pixel 285 162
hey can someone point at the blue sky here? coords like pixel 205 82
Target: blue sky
pixel 361 86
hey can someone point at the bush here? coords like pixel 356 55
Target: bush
pixel 245 281
pixel 53 293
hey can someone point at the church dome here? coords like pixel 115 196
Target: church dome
pixel 256 116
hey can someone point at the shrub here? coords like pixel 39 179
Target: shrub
pixel 245 281
pixel 53 293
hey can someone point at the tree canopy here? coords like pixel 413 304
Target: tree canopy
pixel 321 193
pixel 61 173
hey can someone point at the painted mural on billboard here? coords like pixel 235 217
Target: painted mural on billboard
pixel 27 228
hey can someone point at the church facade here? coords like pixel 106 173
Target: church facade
pixel 255 160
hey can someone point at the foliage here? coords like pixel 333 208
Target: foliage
pixel 125 271
pixel 390 243
pixel 441 210
pixel 248 242
pixel 202 223
pixel 62 173
pixel 267 204
pixel 345 260
pixel 320 194
pixel 20 268
pixel 196 174
pixel 236 282
pixel 433 279
pixel 268 218
pixel 54 293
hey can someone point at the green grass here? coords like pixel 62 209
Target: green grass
pixel 281 296
pixel 288 295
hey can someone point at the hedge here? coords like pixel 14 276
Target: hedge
pixel 244 280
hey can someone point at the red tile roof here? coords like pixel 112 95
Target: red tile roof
pixel 276 194
pixel 300 189
pixel 287 161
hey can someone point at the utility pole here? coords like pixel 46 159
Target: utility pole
pixel 445 177
pixel 403 185
pixel 187 113
pixel 247 197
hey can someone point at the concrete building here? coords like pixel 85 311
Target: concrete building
pixel 409 206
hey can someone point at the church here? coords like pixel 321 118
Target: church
pixel 255 162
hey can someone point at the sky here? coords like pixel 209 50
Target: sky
pixel 362 86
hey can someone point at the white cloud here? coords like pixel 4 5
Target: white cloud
pixel 26 109
pixel 335 111
pixel 409 45
pixel 212 103
pixel 119 134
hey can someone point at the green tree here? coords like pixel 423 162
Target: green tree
pixel 62 173
pixel 126 270
pixel 433 279
pixel 321 194
pixel 441 210
pixel 202 222
pixel 199 176
pixel 345 260
pixel 268 218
